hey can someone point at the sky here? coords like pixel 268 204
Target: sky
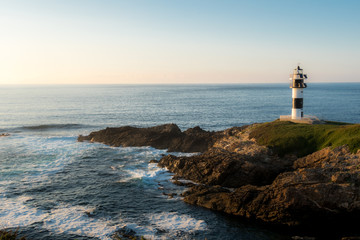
pixel 177 41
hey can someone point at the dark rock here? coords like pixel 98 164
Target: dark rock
pixel 168 136
pixel 212 197
pixel 303 197
pixel 4 135
pixel 126 233
pixel 89 213
pixel 184 184
pixel 228 169
pixel 154 161
pixel 170 195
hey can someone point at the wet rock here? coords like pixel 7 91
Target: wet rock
pixel 228 169
pixel 306 196
pixel 170 195
pixel 168 136
pixel 89 213
pixel 212 197
pixel 4 135
pixel 125 233
pixel 154 161
pixel 184 184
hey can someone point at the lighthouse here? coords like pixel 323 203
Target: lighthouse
pixel 297 85
pixel 297 113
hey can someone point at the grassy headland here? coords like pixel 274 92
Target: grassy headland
pixel 302 139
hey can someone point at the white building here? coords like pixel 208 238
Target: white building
pixel 297 112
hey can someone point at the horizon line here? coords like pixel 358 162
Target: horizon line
pixel 229 83
pixel 82 84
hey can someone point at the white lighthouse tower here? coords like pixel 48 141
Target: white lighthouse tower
pixel 297 85
pixel 297 113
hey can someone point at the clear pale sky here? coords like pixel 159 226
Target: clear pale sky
pixel 177 41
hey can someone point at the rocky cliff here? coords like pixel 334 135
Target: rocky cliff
pixel 234 160
pixel 321 188
pixel 236 175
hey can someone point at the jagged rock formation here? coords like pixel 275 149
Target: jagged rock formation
pixel 228 169
pixel 233 161
pixel 323 187
pixel 168 136
pixel 237 176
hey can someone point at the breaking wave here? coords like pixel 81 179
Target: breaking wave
pixel 172 221
pixel 47 127
pixel 64 219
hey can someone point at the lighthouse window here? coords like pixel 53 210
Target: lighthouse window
pixel 298 83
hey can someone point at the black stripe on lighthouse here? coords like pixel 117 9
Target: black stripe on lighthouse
pixel 298 103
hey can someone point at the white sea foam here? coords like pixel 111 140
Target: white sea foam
pixel 148 232
pixel 169 222
pixel 36 159
pixel 65 219
pixel 74 220
pixel 181 154
pixel 40 157
pixel 141 152
pixel 14 213
pixel 172 221
pixel 45 155
pixel 185 181
pixel 149 174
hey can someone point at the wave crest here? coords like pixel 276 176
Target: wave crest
pixel 45 127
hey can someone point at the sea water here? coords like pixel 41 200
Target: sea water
pixel 53 187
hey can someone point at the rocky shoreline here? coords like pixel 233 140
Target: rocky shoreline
pixel 237 176
pixel 168 136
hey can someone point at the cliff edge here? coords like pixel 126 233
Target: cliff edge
pixel 279 172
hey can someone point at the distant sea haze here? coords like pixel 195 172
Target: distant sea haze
pixel 53 187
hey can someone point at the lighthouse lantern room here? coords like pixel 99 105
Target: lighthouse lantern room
pixel 297 84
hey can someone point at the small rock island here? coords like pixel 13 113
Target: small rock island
pixel 280 173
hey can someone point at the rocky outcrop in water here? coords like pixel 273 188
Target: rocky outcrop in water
pixel 233 161
pixel 168 136
pixel 323 187
pixel 237 176
pixel 228 169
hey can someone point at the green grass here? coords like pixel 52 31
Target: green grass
pixel 303 139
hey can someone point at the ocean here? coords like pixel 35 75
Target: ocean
pixel 53 187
